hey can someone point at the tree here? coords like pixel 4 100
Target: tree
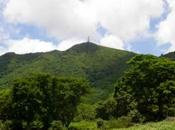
pixel 106 109
pixel 27 101
pixel 66 97
pixel 166 98
pixel 85 112
pixel 43 98
pixel 5 101
pixel 147 87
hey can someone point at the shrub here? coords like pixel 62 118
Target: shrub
pixel 85 112
pixel 36 125
pixel 106 110
pixel 83 125
pixel 101 124
pixel 57 125
pixel 136 116
pixel 121 122
pixel 5 125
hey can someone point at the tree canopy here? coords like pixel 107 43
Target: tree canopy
pixel 147 87
pixel 41 99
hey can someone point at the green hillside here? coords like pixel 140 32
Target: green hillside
pixel 59 94
pixel 100 65
pixel 170 55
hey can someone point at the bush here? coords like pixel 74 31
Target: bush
pixel 36 125
pixel 136 116
pixel 5 125
pixel 121 122
pixel 85 112
pixel 106 110
pixel 73 128
pixel 101 124
pixel 83 125
pixel 57 125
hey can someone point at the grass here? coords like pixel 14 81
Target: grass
pixel 83 125
pixel 90 125
pixel 164 125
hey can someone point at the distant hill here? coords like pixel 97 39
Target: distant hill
pixel 102 66
pixel 170 55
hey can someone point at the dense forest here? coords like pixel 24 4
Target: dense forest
pixel 104 87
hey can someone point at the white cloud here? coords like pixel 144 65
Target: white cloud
pixel 166 29
pixel 127 18
pixel 112 41
pixel 63 19
pixel 3 35
pixel 27 45
pixel 78 19
pixel 66 44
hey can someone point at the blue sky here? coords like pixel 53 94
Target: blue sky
pixel 142 26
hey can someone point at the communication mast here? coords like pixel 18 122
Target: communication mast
pixel 88 40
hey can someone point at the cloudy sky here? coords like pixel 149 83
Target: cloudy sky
pixel 142 26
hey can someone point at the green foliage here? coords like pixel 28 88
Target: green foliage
pixel 170 55
pixel 121 122
pixel 85 112
pixel 106 109
pixel 57 125
pixel 147 88
pixel 101 124
pixel 5 101
pixel 38 100
pixel 164 125
pixel 99 65
pixel 5 125
pixel 35 125
pixel 83 125
pixel 146 92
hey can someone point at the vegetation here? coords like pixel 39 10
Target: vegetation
pixel 146 92
pixel 170 55
pixel 100 65
pixel 42 101
pixel 86 88
pixel 85 112
pixel 164 125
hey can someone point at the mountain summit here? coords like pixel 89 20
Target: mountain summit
pixel 84 47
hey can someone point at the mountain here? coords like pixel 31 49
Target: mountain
pixel 170 55
pixel 102 66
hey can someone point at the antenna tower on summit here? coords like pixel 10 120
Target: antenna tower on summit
pixel 88 39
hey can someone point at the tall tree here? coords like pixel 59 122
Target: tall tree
pixel 46 98
pixel 148 86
